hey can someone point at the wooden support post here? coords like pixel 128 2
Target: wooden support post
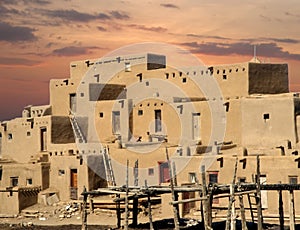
pixel 280 209
pixel 258 197
pixel 233 214
pixel 174 176
pixel 149 207
pixel 136 173
pixel 84 213
pixel 91 205
pixel 292 211
pixel 242 210
pixel 135 211
pixel 175 210
pixel 126 199
pixel 230 223
pixel 118 210
pixel 205 205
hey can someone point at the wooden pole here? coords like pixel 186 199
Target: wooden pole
pixel 135 211
pixel 243 216
pixel 174 176
pixel 175 210
pixel 280 209
pixel 292 211
pixel 84 213
pixel 136 173
pixel 230 219
pixel 258 197
pixel 118 210
pixel 126 198
pixel 233 215
pixel 149 207
pixel 205 205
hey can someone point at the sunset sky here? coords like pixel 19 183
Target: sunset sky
pixel 39 38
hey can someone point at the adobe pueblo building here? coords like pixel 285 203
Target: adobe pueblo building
pixel 137 107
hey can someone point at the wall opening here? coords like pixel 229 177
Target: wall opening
pixel 72 102
pixel 14 181
pixel 43 139
pixel 158 125
pixel 116 122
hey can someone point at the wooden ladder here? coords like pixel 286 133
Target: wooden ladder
pixel 110 177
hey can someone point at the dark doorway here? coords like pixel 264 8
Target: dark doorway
pixel 73 184
pixel 43 139
pixel 164 174
pixel 158 127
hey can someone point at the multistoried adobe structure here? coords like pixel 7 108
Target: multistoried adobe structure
pixel 137 107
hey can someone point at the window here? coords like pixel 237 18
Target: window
pixel 127 67
pixel 184 80
pixel 212 177
pixel 10 136
pixel 192 177
pixel 28 134
pixel 242 179
pixel 43 138
pixel 101 114
pixel 81 94
pixel 158 126
pixel 29 181
pixel 266 116
pixel 61 172
pixel 14 181
pixel 147 83
pixel 140 112
pixel 167 75
pixel 116 122
pixel 150 171
pixel 293 180
pixel 224 76
pixel 72 102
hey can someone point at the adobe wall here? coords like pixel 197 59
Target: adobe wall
pixel 60 175
pixel 268 78
pixel 268 121
pixel 21 141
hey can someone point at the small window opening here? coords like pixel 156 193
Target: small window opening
pixel 81 94
pixel 266 116
pixel 61 172
pixel 192 177
pixel 29 181
pixel 167 75
pixel 28 134
pixel 101 114
pixel 173 74
pixel 293 180
pixel 237 70
pixel 147 83
pixel 14 181
pixel 184 80
pixel 140 112
pixel 10 136
pixel 224 71
pixel 150 171
pixel 180 74
pixel 218 71
pixel 224 76
pixel 127 67
pixel 140 76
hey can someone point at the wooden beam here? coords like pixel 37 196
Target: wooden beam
pixel 292 211
pixel 242 210
pixel 258 196
pixel 280 209
pixel 84 213
pixel 175 210
pixel 126 198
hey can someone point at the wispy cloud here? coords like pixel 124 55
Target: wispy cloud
pixel 18 61
pixel 11 33
pixel 158 29
pixel 169 5
pixel 76 16
pixel 74 50
pixel 208 37
pixel 240 48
